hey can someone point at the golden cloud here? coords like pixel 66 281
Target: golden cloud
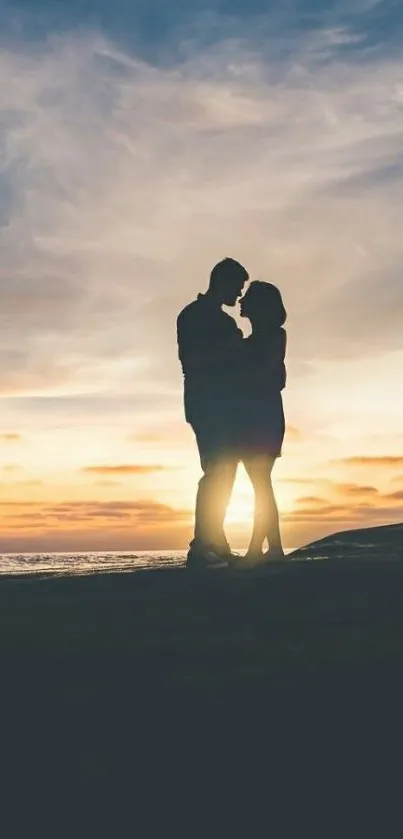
pixel 356 490
pixel 292 433
pixel 133 512
pixel 373 506
pixel 107 484
pixel 298 481
pixel 311 500
pixel 124 469
pixel 320 512
pixel 171 434
pixel 394 496
pixel 90 525
pixel 33 483
pixel 364 460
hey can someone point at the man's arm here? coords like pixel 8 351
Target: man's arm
pixel 199 352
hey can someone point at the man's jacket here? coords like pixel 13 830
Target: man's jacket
pixel 209 346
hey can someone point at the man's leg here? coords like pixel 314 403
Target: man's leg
pixel 219 465
pixel 212 499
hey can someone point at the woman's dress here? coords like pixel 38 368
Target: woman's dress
pixel 262 423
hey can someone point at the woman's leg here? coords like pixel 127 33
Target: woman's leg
pixel 266 518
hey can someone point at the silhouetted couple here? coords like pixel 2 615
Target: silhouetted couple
pixel 233 403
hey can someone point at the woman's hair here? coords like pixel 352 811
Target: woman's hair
pixel 265 300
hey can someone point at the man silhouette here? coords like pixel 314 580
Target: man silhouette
pixel 208 340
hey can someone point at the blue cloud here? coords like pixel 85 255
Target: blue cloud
pixel 158 31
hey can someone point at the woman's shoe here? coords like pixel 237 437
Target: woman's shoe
pixel 274 554
pixel 248 562
pixel 251 562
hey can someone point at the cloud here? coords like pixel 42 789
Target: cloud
pixel 12 504
pixel 298 481
pixel 142 524
pixel 363 503
pixel 293 434
pixel 317 509
pixel 394 496
pixel 10 437
pixel 113 167
pixel 328 518
pixel 138 514
pixel 167 435
pixel 382 461
pixel 124 469
pixel 312 500
pixel 108 484
pixel 356 490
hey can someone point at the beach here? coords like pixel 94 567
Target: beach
pixel 109 679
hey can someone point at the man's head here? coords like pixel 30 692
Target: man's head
pixel 227 280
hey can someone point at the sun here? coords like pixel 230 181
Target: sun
pixel 240 510
pixel 241 506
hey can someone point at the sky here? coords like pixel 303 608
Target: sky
pixel 140 143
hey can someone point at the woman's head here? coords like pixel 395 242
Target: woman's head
pixel 263 303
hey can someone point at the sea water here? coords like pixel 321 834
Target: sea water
pixel 88 562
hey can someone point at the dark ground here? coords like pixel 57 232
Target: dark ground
pixel 142 694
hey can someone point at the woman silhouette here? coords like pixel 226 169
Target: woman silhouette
pixel 262 415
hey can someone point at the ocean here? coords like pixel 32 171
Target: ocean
pixel 88 562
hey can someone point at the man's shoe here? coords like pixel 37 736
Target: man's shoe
pixel 205 560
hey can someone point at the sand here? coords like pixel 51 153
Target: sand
pixel 112 679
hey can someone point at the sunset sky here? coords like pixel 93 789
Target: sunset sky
pixel 141 142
